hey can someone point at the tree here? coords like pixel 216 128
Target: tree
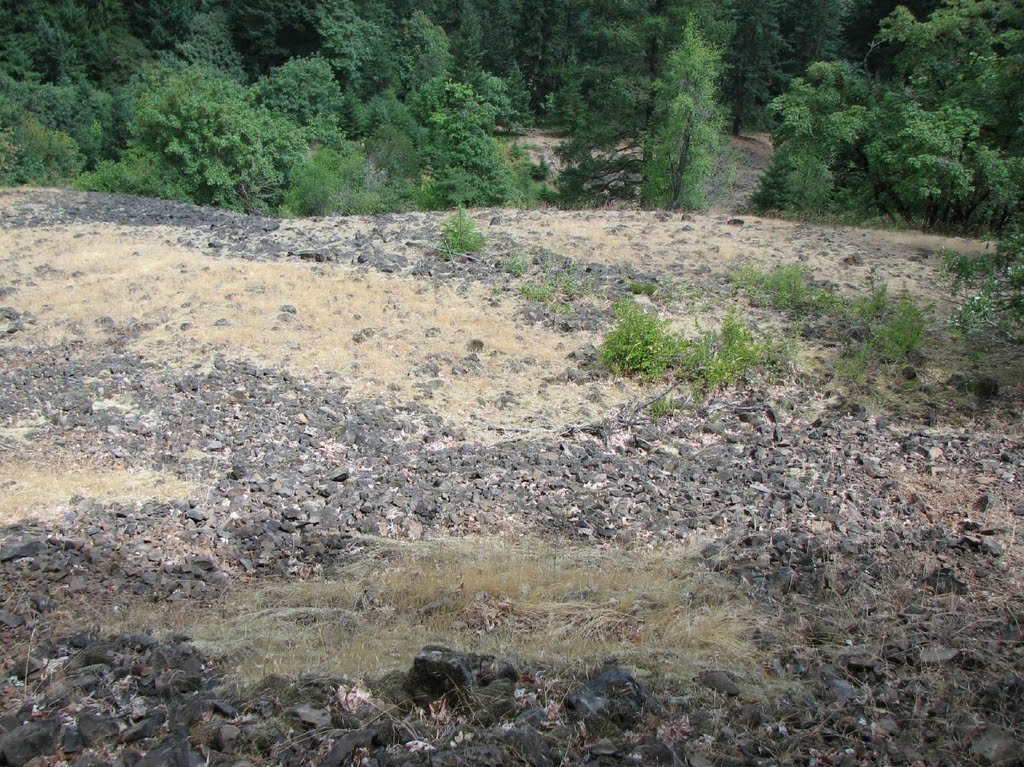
pixel 301 90
pixel 461 155
pixel 689 122
pixel 752 61
pixel 425 53
pixel 210 143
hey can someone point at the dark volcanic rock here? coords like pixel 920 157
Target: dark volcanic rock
pixel 614 697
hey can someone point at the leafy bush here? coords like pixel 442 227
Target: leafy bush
pixel 137 174
pixel 461 155
pixel 210 143
pixel 542 292
pixel 333 182
pixel 39 155
pixel 301 89
pixel 460 234
pixel 722 358
pixel 640 344
pixel 991 289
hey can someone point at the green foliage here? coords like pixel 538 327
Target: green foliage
pixel 871 327
pixel 38 155
pixel 937 148
pixel 211 144
pixel 426 54
pixel 136 173
pixel 301 90
pixel 333 182
pixel 991 290
pixel 542 292
pixel 689 124
pixel 460 235
pixel 461 155
pixel 787 288
pixel 752 62
pixel 209 44
pixel 642 288
pixel 640 344
pixel 722 358
pixel 517 264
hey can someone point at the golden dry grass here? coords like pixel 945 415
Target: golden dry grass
pixel 41 488
pixel 567 607
pixel 188 307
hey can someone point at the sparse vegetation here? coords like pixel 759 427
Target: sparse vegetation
pixel 517 264
pixel 557 604
pixel 723 357
pixel 873 327
pixel 461 235
pixel 991 290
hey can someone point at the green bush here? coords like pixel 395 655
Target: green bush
pixel 330 182
pixel 542 292
pixel 211 143
pixel 640 344
pixel 642 288
pixel 724 357
pixel 460 235
pixel 991 290
pixel 135 174
pixel 787 288
pixel 301 90
pixel 39 156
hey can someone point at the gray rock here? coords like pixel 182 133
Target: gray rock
pixel 614 697
pixel 28 741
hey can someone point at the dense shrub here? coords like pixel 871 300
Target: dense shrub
pixel 639 344
pixel 991 290
pixel 209 142
pixel 332 182
pixel 38 155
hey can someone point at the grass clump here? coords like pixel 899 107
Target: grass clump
pixel 723 357
pixel 642 288
pixel 787 288
pixel 517 264
pixel 461 235
pixel 540 292
pixel 640 344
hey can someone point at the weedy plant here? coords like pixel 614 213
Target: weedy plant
pixel 517 264
pixel 642 288
pixel 787 288
pixel 460 235
pixel 641 344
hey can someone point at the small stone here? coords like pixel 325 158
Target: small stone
pixel 938 655
pixel 719 681
pixel 313 717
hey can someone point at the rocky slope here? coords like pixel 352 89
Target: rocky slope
pixel 878 558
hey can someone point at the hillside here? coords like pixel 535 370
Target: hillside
pixel 251 467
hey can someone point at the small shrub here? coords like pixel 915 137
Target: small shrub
pixel 639 344
pixel 722 358
pixel 516 264
pixel 460 235
pixel 787 288
pixel 333 182
pixel 642 288
pixel 542 292
pixel 902 333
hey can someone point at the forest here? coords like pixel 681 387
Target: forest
pixel 879 112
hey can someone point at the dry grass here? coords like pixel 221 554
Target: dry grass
pixel 41 488
pixel 569 608
pixel 186 307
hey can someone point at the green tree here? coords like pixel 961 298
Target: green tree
pixel 301 89
pixel 461 155
pixel 209 142
pixel 425 53
pixel 752 61
pixel 689 123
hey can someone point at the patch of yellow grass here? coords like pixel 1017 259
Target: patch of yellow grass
pixel 188 306
pixel 40 488
pixel 565 606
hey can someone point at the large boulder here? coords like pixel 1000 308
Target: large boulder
pixel 438 672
